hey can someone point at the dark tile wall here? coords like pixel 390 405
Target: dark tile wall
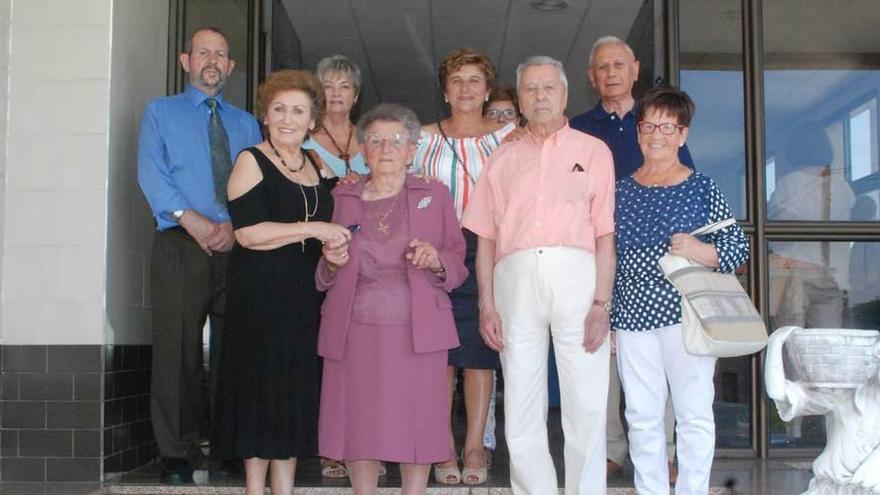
pixel 128 434
pixel 69 412
pixel 50 413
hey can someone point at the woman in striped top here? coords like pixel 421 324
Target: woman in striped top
pixel 453 151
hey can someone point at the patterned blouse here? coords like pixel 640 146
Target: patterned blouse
pixel 435 158
pixel 646 217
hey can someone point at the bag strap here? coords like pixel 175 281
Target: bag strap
pixel 714 227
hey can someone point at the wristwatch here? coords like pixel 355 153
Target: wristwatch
pixel 606 305
pixel 177 215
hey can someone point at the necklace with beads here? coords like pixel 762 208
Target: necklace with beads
pixel 290 169
pixel 343 155
pixel 308 215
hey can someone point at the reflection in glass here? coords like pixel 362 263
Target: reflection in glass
pixel 822 72
pixel 823 285
pixel 862 146
pixel 810 180
pixel 863 297
pixel 712 74
pixel 807 283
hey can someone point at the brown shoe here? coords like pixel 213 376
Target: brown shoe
pixel 673 473
pixel 613 469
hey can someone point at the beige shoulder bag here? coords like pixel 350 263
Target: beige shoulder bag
pixel 717 315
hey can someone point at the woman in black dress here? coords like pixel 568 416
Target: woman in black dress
pixel 280 205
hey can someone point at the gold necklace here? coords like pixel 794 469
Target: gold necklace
pixel 308 215
pixel 380 224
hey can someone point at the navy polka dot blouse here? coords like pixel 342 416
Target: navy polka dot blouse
pixel 645 219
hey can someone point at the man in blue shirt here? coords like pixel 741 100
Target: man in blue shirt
pixel 613 70
pixel 187 144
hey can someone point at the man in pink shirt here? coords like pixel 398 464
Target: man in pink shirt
pixel 544 212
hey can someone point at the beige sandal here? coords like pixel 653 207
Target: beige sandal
pixel 447 475
pixel 474 476
pixel 333 469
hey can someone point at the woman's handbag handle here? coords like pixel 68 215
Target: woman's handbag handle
pixel 714 227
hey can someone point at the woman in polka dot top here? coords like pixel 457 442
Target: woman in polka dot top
pixel 655 208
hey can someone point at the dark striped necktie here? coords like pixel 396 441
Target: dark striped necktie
pixel 221 163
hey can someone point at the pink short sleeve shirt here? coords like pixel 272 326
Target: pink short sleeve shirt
pixel 555 192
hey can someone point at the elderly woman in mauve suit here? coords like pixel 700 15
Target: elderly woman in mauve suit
pixel 387 320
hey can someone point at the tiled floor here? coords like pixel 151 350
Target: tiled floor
pixel 753 477
pixel 746 476
pixel 749 477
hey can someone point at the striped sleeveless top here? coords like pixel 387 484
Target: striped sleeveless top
pixel 435 158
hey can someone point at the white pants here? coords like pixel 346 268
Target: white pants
pixel 539 292
pixel 647 361
pixel 615 435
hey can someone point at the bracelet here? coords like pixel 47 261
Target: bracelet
pixel 606 305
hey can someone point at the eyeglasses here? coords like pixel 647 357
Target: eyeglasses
pixel 394 140
pixel 495 113
pixel 665 128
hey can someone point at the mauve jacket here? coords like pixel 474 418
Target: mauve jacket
pixel 432 219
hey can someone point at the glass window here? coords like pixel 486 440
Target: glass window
pixel 733 394
pixel 862 150
pixel 821 81
pixel 712 73
pixel 822 285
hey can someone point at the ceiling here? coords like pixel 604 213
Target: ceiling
pixel 399 43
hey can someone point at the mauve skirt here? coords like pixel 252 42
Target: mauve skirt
pixel 384 402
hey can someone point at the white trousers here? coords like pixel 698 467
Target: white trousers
pixel 615 435
pixel 539 293
pixel 647 361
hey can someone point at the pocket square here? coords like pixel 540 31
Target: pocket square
pixel 424 202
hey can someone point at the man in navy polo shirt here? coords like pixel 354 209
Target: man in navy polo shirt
pixel 613 70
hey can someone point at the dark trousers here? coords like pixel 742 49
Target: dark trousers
pixel 187 286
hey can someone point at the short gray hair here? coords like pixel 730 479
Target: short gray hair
pixel 339 64
pixel 390 112
pixel 541 60
pixel 609 40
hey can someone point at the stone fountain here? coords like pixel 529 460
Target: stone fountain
pixel 836 373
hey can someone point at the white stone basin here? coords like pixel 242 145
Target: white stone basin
pixel 832 357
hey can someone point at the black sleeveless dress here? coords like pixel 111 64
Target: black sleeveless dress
pixel 269 379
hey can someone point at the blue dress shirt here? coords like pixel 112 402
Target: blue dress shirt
pixel 174 153
pixel 621 135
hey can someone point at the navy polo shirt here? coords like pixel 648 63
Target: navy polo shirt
pixel 621 135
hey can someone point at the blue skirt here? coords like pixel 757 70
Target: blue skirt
pixel 473 352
